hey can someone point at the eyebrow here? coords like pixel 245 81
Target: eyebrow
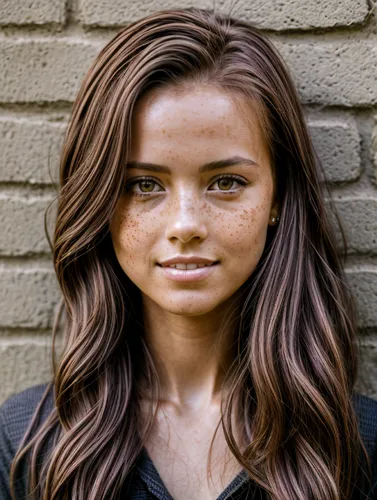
pixel 213 165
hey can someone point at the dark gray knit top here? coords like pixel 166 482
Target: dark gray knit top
pixel 146 484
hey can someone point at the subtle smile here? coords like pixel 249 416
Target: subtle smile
pixel 188 266
pixel 188 272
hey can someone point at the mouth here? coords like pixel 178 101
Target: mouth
pixel 188 267
pixel 188 273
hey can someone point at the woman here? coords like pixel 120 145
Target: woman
pixel 211 347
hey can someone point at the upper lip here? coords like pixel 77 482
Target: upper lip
pixel 182 259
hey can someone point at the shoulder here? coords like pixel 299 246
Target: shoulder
pixel 366 413
pixel 16 413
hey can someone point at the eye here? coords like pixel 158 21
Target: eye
pixel 228 182
pixel 146 186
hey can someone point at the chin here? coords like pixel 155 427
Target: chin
pixel 190 308
pixel 189 302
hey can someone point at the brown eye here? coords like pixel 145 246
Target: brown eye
pixel 148 185
pixel 229 183
pixel 225 183
pixel 143 187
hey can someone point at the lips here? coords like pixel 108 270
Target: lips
pixel 198 260
pixel 188 275
pixel 189 266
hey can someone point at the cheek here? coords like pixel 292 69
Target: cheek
pixel 242 235
pixel 130 234
pixel 240 224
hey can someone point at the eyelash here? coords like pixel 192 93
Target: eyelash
pixel 233 177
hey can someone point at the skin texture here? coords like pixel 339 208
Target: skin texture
pixel 187 212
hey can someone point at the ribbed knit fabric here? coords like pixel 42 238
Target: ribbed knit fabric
pixel 146 484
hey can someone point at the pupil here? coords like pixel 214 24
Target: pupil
pixel 146 184
pixel 225 183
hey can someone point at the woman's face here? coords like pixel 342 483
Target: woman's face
pixel 174 207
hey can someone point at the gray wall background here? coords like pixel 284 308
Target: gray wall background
pixel 46 46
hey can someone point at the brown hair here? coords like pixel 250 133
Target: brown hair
pixel 295 372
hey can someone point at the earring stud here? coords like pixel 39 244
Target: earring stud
pixel 275 219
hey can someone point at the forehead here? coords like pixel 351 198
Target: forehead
pixel 195 118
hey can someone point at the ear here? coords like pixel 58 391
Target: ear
pixel 274 212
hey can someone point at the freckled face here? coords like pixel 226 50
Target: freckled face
pixel 220 214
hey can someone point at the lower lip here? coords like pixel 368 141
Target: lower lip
pixel 189 274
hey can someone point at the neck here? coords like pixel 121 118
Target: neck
pixel 192 354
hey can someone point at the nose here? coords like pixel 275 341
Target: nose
pixel 186 219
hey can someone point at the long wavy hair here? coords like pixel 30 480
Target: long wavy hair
pixel 295 368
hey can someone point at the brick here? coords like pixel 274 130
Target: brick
pixel 358 218
pixel 374 147
pixel 363 283
pixel 367 377
pixel 337 144
pixel 333 73
pixel 25 362
pixel 36 12
pixel 267 14
pixel 30 150
pixel 44 70
pixel 28 297
pixel 22 225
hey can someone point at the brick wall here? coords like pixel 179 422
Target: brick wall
pixel 45 48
